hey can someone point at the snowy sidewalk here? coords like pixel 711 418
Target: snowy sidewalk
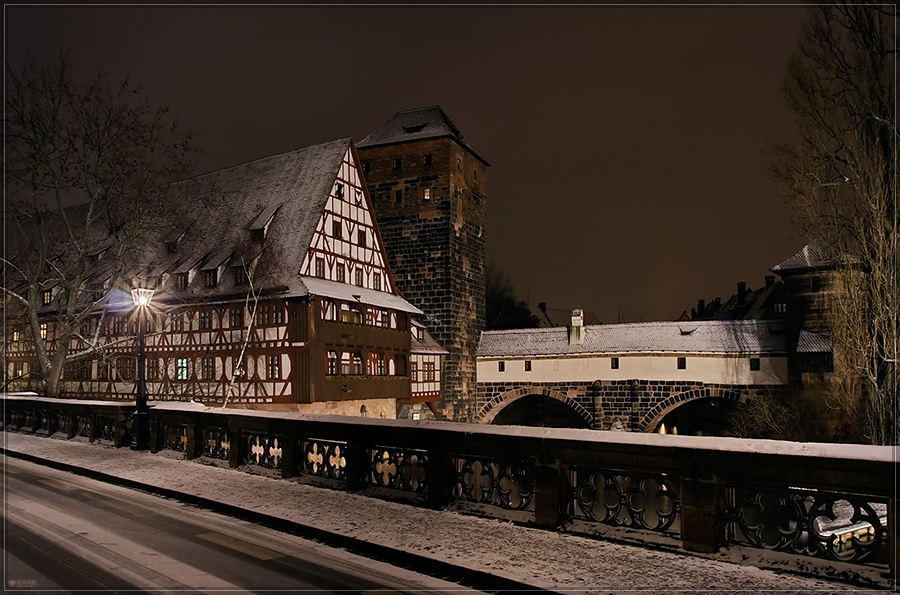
pixel 546 559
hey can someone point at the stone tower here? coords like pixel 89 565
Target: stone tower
pixel 428 187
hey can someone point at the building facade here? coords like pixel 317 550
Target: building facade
pixel 276 293
pixel 428 187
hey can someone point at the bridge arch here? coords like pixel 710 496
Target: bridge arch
pixel 652 418
pixel 502 401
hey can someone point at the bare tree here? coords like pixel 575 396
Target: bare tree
pixel 502 309
pixel 841 178
pixel 86 170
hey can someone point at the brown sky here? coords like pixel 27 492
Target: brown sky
pixel 627 144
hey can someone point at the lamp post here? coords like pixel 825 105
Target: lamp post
pixel 141 417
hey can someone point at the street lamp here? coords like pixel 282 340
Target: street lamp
pixel 141 418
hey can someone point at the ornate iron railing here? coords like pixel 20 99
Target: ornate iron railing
pixel 843 527
pixel 175 437
pixel 263 450
pixel 400 469
pixel 106 428
pixel 503 483
pixel 83 426
pixel 322 458
pixel 216 443
pixel 625 499
pixel 45 420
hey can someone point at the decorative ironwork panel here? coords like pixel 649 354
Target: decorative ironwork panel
pixel 622 498
pixel 399 469
pixel 27 418
pixel 845 527
pixel 175 437
pixel 15 416
pixel 264 451
pixel 507 484
pixel 216 443
pixel 45 420
pixel 83 425
pixel 107 428
pixel 324 459
pixel 62 423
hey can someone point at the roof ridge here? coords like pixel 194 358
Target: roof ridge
pixel 345 140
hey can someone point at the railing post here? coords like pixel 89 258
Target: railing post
pixel 154 430
pixel 236 452
pixel 119 429
pixel 288 454
pixel 550 488
pixel 357 466
pixel 702 514
pixel 192 433
pixel 441 477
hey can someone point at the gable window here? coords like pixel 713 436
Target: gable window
pixel 336 229
pixel 339 191
pixel 209 368
pixel 426 193
pixel 614 363
pixel 528 365
pixel 359 277
pixel 182 370
pixel 237 317
pixel 682 363
pixel 205 320
pixel 339 270
pixel 376 281
pixel 274 367
pixel 181 281
pixel 397 163
pixel 320 268
pixel 152 369
pixel 361 238
pixel 501 366
pixel 46 296
pixel 754 364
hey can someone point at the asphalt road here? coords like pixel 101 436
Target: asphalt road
pixel 70 533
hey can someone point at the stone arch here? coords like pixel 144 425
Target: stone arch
pixel 660 410
pixel 500 401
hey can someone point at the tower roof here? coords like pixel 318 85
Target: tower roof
pixel 416 124
pixel 818 254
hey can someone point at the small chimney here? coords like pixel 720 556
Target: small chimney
pixel 701 307
pixel 770 280
pixel 577 327
pixel 741 291
pixel 543 307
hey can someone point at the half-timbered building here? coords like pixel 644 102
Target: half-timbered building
pixel 274 293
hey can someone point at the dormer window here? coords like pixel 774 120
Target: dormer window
pixel 240 275
pixel 46 296
pixel 181 281
pixel 211 277
pixel 258 236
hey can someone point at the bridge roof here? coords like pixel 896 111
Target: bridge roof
pixel 712 336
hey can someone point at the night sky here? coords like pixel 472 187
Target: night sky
pixel 627 145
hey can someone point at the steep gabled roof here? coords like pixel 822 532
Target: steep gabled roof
pixel 416 124
pixel 818 254
pixel 737 336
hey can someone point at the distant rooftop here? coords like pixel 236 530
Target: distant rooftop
pixel 734 336
pixel 818 254
pixel 416 124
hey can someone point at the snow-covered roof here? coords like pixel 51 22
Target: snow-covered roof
pixel 736 336
pixel 416 124
pixel 813 343
pixel 818 254
pixel 352 293
pixel 427 344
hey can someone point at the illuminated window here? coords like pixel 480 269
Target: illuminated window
pixel 320 268
pixel 182 369
pixel 47 296
pixel 239 372
pixel 426 193
pixel 754 364
pixel 274 367
pixel 682 363
pixel 16 335
pixel 44 331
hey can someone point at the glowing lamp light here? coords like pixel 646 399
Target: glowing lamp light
pixel 141 296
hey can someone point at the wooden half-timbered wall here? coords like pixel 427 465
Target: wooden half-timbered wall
pixel 346 246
